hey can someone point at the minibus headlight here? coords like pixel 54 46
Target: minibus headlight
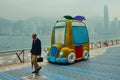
pixel 61 54
pixel 47 51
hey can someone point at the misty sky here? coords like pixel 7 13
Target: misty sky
pixel 24 9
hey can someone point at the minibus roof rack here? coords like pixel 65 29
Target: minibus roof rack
pixel 79 18
pixel 68 17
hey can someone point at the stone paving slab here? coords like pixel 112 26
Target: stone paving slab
pixel 100 66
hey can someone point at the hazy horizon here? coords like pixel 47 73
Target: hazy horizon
pixel 24 9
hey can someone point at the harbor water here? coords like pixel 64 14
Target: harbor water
pixel 22 42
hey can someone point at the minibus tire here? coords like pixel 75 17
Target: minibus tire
pixel 71 57
pixel 85 54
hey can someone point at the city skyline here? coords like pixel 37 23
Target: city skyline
pixel 96 25
pixel 24 9
pixel 103 25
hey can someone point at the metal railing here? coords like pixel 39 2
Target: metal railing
pixel 16 56
pixel 101 44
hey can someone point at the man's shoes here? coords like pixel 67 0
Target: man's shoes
pixel 38 69
pixel 34 71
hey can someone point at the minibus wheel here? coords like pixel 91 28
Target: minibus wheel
pixel 71 57
pixel 85 54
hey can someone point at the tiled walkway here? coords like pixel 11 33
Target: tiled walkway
pixel 104 64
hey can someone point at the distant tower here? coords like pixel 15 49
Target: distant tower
pixel 106 19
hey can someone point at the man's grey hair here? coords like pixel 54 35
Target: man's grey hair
pixel 34 34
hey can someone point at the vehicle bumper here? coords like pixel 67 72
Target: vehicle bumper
pixel 56 60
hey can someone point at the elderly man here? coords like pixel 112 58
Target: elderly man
pixel 35 52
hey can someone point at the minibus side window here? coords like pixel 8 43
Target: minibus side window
pixel 79 33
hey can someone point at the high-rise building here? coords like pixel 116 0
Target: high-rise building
pixel 115 25
pixel 106 19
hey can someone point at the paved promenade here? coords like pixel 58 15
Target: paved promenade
pixel 103 64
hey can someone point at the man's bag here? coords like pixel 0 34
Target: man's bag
pixel 40 59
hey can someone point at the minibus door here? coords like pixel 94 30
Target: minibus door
pixel 79 51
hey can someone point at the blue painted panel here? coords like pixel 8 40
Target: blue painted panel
pixel 80 35
pixel 53 51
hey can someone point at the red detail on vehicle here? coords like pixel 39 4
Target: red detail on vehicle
pixel 79 51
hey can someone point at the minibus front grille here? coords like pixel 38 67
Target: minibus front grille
pixel 53 51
